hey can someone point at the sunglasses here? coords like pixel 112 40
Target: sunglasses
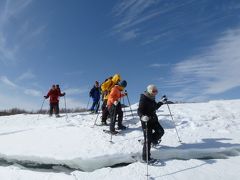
pixel 154 91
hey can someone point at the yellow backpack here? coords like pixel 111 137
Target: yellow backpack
pixel 109 84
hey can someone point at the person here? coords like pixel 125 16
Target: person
pixel 152 130
pixel 106 88
pixel 95 94
pixel 114 106
pixel 54 94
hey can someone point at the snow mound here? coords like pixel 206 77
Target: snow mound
pixel 208 130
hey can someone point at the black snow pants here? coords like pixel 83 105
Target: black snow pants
pixel 153 132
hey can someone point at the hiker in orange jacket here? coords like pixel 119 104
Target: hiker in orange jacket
pixel 106 87
pixel 115 107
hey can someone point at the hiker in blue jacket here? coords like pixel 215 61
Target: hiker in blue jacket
pixel 95 94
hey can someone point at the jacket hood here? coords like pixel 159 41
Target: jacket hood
pixel 116 78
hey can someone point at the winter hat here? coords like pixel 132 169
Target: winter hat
pixel 152 88
pixel 123 83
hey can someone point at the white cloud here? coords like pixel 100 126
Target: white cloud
pixel 157 65
pixel 132 34
pixel 75 91
pixel 17 88
pixel 166 21
pixel 27 75
pixel 11 9
pixel 32 92
pixel 214 71
pixel 74 73
pixel 6 81
pixel 16 101
pixel 132 13
pixel 21 31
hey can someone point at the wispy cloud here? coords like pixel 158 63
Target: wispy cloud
pixel 130 14
pixel 75 91
pixel 12 41
pixel 132 34
pixel 73 73
pixel 28 91
pixel 32 92
pixel 157 20
pixel 10 9
pixel 157 65
pixel 214 71
pixel 6 81
pixel 135 14
pixel 27 75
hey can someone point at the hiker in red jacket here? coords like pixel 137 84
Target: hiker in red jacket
pixel 54 94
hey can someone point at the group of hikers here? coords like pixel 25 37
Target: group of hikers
pixel 112 90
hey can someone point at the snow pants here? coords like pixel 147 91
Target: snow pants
pixel 105 112
pixel 153 132
pixel 54 106
pixel 114 112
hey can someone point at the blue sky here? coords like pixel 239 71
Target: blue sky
pixel 189 49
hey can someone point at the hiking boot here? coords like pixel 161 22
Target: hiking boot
pixel 57 115
pixel 156 142
pixel 150 160
pixel 122 127
pixel 104 123
pixel 113 132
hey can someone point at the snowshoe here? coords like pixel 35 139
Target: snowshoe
pixel 122 127
pixel 111 132
pixel 151 161
pixel 102 124
pixel 156 144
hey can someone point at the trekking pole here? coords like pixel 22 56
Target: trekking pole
pixel 146 134
pixel 174 123
pixel 41 108
pixel 95 120
pixel 124 110
pixel 88 102
pixel 97 115
pixel 129 104
pixel 65 108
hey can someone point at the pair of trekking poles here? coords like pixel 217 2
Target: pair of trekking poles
pixel 124 112
pixel 146 130
pixel 65 103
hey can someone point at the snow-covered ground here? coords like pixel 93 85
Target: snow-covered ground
pixel 71 148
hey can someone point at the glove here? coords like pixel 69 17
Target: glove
pixel 145 118
pixel 64 94
pixel 115 103
pixel 125 93
pixel 164 99
pixel 45 97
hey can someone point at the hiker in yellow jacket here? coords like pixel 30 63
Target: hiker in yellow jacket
pixel 106 89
